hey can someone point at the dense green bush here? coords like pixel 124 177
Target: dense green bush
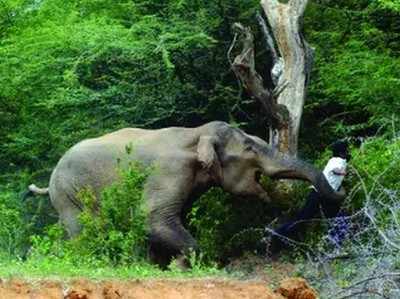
pixel 13 234
pixel 20 218
pixel 117 231
pixel 374 171
pixel 208 221
pixel 226 227
pixel 354 86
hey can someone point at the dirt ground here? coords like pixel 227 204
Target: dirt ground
pixel 292 288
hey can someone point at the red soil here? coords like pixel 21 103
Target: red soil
pixel 294 288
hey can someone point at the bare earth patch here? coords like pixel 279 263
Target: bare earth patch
pixel 293 288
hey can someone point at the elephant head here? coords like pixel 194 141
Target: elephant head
pixel 237 161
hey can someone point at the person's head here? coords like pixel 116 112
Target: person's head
pixel 340 149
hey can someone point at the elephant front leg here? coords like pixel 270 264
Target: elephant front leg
pixel 171 241
pixel 167 191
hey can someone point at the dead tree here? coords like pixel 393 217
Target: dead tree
pixel 292 60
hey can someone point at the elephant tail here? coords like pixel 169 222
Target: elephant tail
pixel 38 191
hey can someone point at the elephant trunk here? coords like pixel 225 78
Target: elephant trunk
pixel 284 167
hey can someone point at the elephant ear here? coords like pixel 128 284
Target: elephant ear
pixel 208 157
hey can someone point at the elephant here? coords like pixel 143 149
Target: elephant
pixel 188 162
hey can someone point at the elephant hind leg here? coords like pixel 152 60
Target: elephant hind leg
pixel 70 219
pixel 167 242
pixel 68 211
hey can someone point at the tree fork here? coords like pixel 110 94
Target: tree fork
pixel 244 68
pixel 292 61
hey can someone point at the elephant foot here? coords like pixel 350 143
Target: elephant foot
pixel 181 262
pixel 166 260
pixel 158 257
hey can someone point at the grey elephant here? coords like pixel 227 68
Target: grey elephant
pixel 188 162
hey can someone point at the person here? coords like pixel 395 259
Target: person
pixel 334 171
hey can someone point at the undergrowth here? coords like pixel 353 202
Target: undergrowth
pixel 63 268
pixel 112 243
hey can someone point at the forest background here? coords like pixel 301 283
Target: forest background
pixel 76 69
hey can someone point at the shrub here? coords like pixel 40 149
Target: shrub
pixel 208 221
pixel 117 231
pixel 374 169
pixel 226 227
pixel 13 232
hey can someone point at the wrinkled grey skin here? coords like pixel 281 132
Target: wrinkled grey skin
pixel 187 162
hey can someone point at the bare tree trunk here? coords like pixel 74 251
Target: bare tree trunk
pixel 292 61
pixel 285 18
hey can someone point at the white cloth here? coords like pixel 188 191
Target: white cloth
pixel 334 172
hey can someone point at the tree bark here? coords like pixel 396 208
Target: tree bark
pixel 292 61
pixel 285 19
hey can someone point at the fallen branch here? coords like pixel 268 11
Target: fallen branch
pixel 384 275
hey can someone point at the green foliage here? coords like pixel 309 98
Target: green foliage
pixel 226 227
pixel 117 230
pixel 389 4
pixel 208 220
pixel 376 77
pixel 375 172
pixel 82 68
pixel 20 218
pixel 13 234
pixel 354 86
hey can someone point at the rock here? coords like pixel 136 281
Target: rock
pixel 296 288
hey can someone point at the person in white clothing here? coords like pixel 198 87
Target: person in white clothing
pixel 334 171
